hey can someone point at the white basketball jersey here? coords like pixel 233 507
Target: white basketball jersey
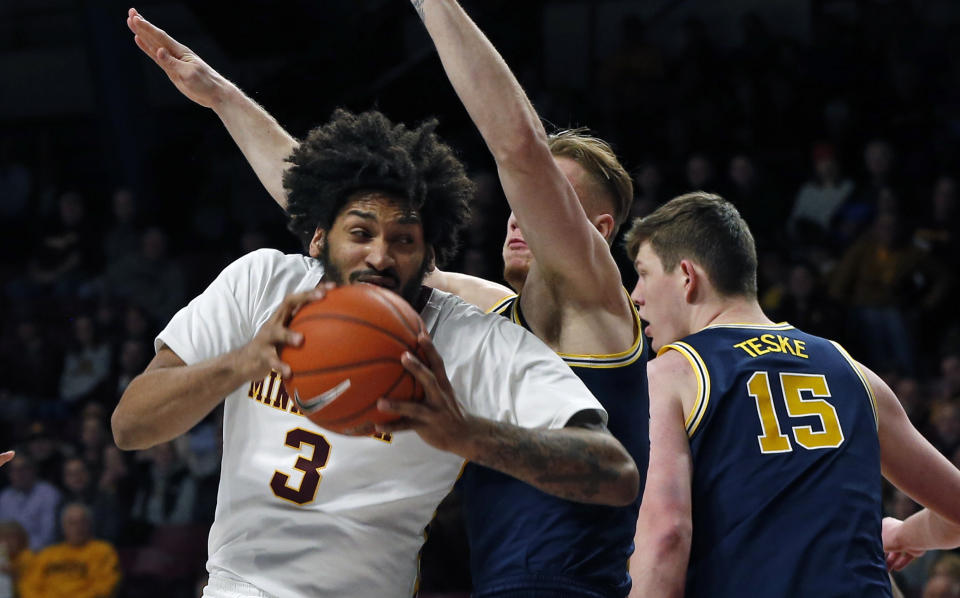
pixel 303 512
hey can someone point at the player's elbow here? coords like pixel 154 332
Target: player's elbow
pixel 525 144
pixel 671 538
pixel 128 435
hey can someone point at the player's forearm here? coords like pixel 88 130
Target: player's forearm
pixel 926 530
pixel 659 564
pixel 264 143
pixel 483 81
pixel 163 403
pixel 572 463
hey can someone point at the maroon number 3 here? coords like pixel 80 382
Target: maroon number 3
pixel 307 491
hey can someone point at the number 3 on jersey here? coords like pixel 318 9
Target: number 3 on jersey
pixel 307 491
pixel 793 387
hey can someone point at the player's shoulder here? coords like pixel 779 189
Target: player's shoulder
pixel 261 265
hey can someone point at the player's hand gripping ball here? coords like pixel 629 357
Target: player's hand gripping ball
pixel 350 357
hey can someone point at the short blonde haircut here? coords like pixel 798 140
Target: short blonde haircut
pixel 596 157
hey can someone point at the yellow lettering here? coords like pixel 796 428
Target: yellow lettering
pixel 275 385
pixel 785 345
pixel 255 387
pixel 800 346
pixel 771 342
pixel 756 346
pixel 747 349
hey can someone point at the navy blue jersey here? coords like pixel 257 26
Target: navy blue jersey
pixel 523 540
pixel 786 467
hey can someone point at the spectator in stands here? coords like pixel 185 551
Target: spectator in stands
pixel 115 491
pixel 945 423
pixel 67 254
pixel 14 545
pixel 149 278
pixel 123 237
pixel 79 567
pixel 806 305
pixel 818 199
pixel 700 173
pixel 30 502
pixel 758 204
pixel 167 493
pixel 939 229
pixel 942 586
pixel 30 360
pixel 875 279
pixel 87 363
pixel 649 188
pixel 134 356
pixel 93 437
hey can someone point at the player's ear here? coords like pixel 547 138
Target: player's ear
pixel 691 280
pixel 605 224
pixel 431 259
pixel 316 243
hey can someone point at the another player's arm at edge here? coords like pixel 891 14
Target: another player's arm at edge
pixel 664 525
pixel 568 247
pixel 170 397
pixel 263 141
pixel 914 466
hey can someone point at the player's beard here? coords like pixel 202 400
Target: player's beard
pixel 409 290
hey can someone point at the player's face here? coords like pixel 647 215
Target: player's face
pixel 376 240
pixel 517 257
pixel 659 297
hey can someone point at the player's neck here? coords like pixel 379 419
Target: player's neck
pixel 729 311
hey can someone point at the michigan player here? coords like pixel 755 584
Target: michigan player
pixel 303 512
pixel 569 195
pixel 767 443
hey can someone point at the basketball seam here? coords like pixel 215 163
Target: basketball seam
pixel 396 311
pixel 355 320
pixel 348 366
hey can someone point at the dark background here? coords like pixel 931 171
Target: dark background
pixel 690 93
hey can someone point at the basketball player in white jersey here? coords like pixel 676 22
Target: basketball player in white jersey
pixel 569 195
pixel 303 512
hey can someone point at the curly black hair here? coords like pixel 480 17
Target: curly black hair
pixel 366 151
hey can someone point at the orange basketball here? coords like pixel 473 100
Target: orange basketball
pixel 350 357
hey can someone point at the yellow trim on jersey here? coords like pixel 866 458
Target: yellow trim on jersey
pixel 863 379
pixel 500 305
pixel 703 383
pixel 611 360
pixel 777 326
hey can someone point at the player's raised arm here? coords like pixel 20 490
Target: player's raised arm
pixel 556 228
pixel 664 525
pixel 6 457
pixel 264 143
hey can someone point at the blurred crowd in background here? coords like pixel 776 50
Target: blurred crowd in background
pixel 841 152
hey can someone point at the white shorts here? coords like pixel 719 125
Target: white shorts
pixel 219 587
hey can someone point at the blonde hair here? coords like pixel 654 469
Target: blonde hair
pixel 596 157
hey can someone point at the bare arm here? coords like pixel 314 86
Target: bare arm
pixel 664 526
pixel 477 291
pixel 909 461
pixel 170 397
pixel 572 463
pixel 264 143
pixel 922 531
pixel 568 247
pixel 6 457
